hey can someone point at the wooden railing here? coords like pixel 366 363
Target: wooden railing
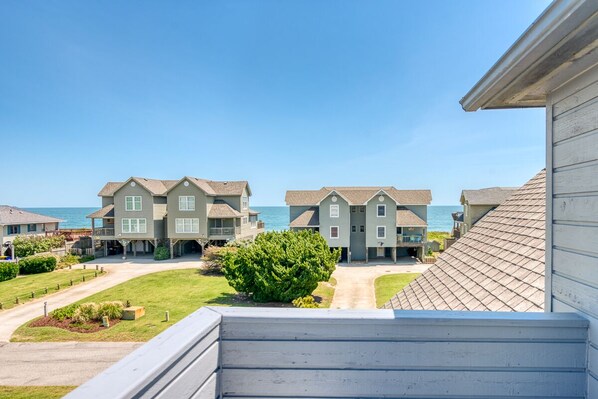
pixel 103 232
pixel 224 231
pixel 307 353
pixel 260 224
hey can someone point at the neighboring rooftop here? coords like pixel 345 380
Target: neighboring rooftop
pixel 14 215
pixel 221 210
pixel 406 218
pixel 357 195
pixel 309 218
pixel 487 196
pixel 498 265
pixel 161 187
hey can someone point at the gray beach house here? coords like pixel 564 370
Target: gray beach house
pixel 365 222
pixel 18 222
pixel 477 203
pixel 187 214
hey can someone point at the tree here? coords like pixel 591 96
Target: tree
pixel 281 266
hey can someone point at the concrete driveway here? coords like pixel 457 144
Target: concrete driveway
pixel 355 282
pixel 118 271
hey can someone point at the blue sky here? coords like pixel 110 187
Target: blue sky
pixel 285 94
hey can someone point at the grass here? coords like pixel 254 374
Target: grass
pixel 22 286
pixel 439 237
pixel 387 286
pixel 180 292
pixel 31 392
pixel 325 292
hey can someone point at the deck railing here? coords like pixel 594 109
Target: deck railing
pixel 103 232
pixel 308 353
pixel 224 231
pixel 413 238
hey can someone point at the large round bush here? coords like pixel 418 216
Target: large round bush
pixel 280 266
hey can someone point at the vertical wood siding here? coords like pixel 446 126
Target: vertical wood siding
pixel 572 245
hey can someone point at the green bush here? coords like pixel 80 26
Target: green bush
pixel 86 312
pixel 280 266
pixel 305 302
pixel 113 310
pixel 66 312
pixel 27 246
pixel 8 270
pixel 68 260
pixel 213 259
pixel 161 253
pixel 37 264
pixel 86 258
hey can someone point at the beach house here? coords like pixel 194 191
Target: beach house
pixel 187 214
pixel 367 223
pixel 477 203
pixel 18 222
pixel 311 353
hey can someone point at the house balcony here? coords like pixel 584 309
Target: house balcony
pixel 308 353
pixel 103 233
pixel 224 232
pixel 410 240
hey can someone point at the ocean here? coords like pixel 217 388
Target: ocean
pixel 275 217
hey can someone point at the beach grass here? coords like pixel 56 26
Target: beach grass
pixel 388 285
pixel 34 392
pixel 23 286
pixel 439 237
pixel 180 292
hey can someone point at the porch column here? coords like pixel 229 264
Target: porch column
pixel 171 249
pixel 394 254
pixel 125 251
pixel 93 241
pixel 367 253
pixel 105 244
pixel 348 254
pixel 134 245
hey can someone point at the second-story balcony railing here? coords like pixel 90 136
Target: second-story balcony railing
pixel 409 239
pixel 225 231
pixel 103 232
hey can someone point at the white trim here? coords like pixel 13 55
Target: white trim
pixel 338 232
pixel 378 232
pixel 388 195
pixel 338 211
pixel 187 203
pixel 186 225
pixel 332 192
pixel 244 202
pixel 133 203
pixel 129 225
pixel 377 212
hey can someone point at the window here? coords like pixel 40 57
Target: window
pixel 353 229
pixel 362 229
pixel 245 220
pixel 14 229
pixel 134 226
pixel 133 203
pixel 381 212
pixel 353 209
pixel 399 230
pixel 32 227
pixel 380 231
pixel 334 211
pixel 187 225
pixel 333 231
pixel 362 209
pixel 245 202
pixel 186 203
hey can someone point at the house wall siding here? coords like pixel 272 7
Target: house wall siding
pixel 343 221
pixel 147 211
pixel 201 201
pixel 572 196
pixel 373 221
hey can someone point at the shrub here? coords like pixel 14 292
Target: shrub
pixel 305 302
pixel 213 259
pixel 86 312
pixel 68 260
pixel 37 264
pixel 161 253
pixel 8 270
pixel 27 246
pixel 66 312
pixel 86 258
pixel 112 310
pixel 280 266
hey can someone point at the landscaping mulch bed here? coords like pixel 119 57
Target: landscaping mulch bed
pixel 66 324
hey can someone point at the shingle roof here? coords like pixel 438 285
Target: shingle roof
pixel 105 212
pixel 160 187
pixel 487 196
pixel 497 265
pixel 222 210
pixel 457 216
pixel 109 188
pixel 14 215
pixel 309 218
pixel 357 195
pixel 407 218
pixel 254 212
pixel 228 187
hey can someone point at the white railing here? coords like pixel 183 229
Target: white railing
pixel 224 231
pixel 307 353
pixel 103 232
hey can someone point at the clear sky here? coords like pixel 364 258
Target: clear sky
pixel 285 94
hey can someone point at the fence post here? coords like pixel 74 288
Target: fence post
pixel 83 278
pixel 167 316
pixel 57 287
pixel 46 290
pixel 1 306
pixel 45 309
pixel 32 294
pixel 17 300
pixel 71 282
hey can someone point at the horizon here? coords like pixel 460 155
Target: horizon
pixel 285 95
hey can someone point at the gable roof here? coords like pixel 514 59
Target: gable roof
pixel 14 215
pixel 487 196
pixel 222 210
pixel 309 218
pixel 161 187
pixel 105 212
pixel 357 195
pixel 406 218
pixel 498 265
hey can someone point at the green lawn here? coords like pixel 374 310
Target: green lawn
pixel 32 392
pixel 179 291
pixel 325 292
pixel 387 286
pixel 22 286
pixel 439 237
